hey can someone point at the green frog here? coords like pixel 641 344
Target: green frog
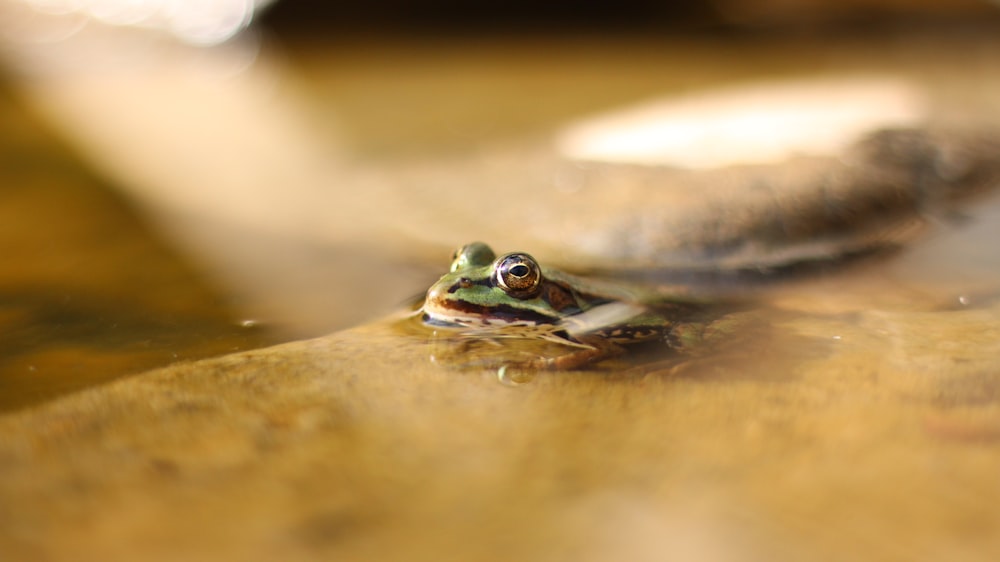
pixel 512 296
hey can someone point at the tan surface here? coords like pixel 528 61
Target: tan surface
pixel 873 445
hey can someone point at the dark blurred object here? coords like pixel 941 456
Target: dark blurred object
pixel 819 12
pixel 457 17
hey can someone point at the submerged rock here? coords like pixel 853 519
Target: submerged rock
pixel 356 446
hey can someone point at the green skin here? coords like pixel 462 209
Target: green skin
pixel 513 297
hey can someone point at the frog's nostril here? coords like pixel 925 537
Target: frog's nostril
pixel 463 283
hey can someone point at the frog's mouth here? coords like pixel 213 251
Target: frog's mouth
pixel 496 328
pixel 458 313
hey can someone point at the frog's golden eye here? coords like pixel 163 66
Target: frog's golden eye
pixel 518 275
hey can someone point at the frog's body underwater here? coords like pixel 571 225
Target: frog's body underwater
pixel 511 296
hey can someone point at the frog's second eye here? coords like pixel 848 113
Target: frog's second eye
pixel 471 255
pixel 518 275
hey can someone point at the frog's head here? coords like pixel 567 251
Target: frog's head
pixel 484 290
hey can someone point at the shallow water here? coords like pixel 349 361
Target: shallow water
pixel 88 292
pixel 855 415
pixel 826 436
pixel 96 288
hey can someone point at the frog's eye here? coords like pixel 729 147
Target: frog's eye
pixel 471 255
pixel 518 274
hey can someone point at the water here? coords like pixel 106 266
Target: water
pixel 855 415
pixel 96 288
pixel 88 292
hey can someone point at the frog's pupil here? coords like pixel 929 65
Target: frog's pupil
pixel 519 270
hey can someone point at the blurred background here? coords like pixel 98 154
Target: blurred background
pixel 183 179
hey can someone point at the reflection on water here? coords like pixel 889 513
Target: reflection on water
pixel 87 292
pixel 865 304
pixel 759 344
pixel 60 341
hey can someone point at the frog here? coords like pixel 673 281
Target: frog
pixel 484 295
